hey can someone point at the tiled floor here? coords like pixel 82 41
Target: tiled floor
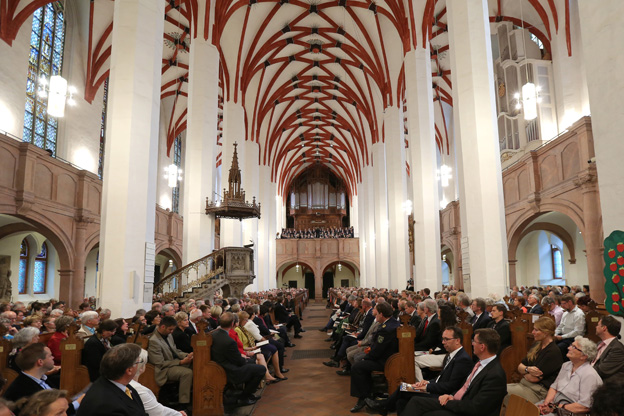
pixel 312 389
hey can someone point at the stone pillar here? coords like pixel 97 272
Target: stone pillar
pixel 78 278
pixel 65 287
pixel 601 26
pixel 129 185
pixel 368 257
pixel 274 227
pixel 512 272
pixel 266 235
pixel 201 142
pixel 426 204
pixel 362 234
pixel 397 196
pixel 484 242
pixel 592 233
pixel 382 268
pixel 233 132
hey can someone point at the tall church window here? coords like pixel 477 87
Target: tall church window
pixel 47 40
pixel 177 160
pixel 22 280
pixel 41 266
pixel 103 131
pixel 557 261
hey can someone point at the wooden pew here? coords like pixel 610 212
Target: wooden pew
pixel 6 347
pixel 209 378
pixel 513 355
pixel 467 331
pixel 148 378
pixel 400 366
pixel 74 375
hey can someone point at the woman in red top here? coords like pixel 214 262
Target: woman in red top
pixel 54 343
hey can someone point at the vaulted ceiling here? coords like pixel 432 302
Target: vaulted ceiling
pixel 313 76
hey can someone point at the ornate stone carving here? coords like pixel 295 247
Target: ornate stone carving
pixel 5 279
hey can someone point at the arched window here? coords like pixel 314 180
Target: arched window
pixel 557 262
pixel 41 266
pixel 177 160
pixel 22 280
pixel 46 59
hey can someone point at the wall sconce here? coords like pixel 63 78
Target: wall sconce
pixel 339 267
pixel 173 175
pixel 58 93
pixel 407 207
pixel 297 268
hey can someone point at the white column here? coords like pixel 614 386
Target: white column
pixel 397 196
pixel 367 258
pixel 354 215
pixel 250 176
pixel 201 143
pixel 602 26
pixel 362 234
pixel 265 232
pixel 569 77
pixel 274 227
pixel 129 185
pixel 479 170
pixel 380 184
pixel 427 257
pixel 233 132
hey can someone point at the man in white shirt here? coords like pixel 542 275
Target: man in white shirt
pixel 572 324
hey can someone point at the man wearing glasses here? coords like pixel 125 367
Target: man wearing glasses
pixel 456 366
pixel 482 392
pixel 112 394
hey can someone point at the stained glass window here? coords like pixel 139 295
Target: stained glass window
pixel 103 130
pixel 177 160
pixel 22 280
pixel 41 265
pixel 47 40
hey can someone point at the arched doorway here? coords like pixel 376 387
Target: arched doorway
pixel 166 262
pixel 340 274
pixel 544 253
pixel 296 275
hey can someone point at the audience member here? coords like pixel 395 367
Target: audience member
pixel 383 346
pixel 572 324
pixel 89 321
pixel 96 346
pixel 54 343
pixel 237 368
pixel 112 394
pixel 541 365
pixel 150 403
pixel 170 363
pixel 609 361
pixel 181 337
pixel 576 382
pixel 482 392
pixel 500 325
pixel 45 403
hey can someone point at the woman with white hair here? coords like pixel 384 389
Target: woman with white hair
pixel 24 337
pixel 576 382
pixel 150 403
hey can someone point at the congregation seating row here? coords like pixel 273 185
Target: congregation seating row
pixel 400 366
pixel 209 378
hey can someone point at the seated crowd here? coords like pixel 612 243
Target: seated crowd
pixel 562 369
pixel 247 344
pixel 332 232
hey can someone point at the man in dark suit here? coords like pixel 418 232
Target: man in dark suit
pixel 96 346
pixel 282 316
pixel 534 305
pixel 384 344
pixel 481 394
pixel 195 316
pixel 501 325
pixel 456 366
pixel 35 360
pixel 429 335
pixel 609 362
pixel 481 319
pixel 238 369
pixel 112 394
pixel 410 309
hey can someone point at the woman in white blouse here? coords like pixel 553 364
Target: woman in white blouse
pixel 150 403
